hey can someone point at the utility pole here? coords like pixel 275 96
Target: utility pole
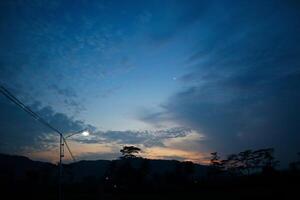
pixel 62 139
pixel 61 155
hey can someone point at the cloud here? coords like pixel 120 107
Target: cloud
pixel 161 144
pixel 153 117
pixel 173 153
pixel 79 150
pixel 174 143
pixel 66 92
pixel 39 52
pixel 243 81
pixel 146 138
pixel 144 17
pixel 178 16
pixel 69 97
pixel 20 132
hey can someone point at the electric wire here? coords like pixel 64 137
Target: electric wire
pixel 37 117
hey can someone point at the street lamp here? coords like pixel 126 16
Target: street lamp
pixel 37 117
pixel 84 132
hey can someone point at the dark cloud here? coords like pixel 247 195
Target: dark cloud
pixel 67 92
pixel 242 88
pixel 108 92
pixel 153 117
pixel 19 131
pixel 147 138
pixel 179 15
pixel 39 52
pixel 74 105
pixel 69 97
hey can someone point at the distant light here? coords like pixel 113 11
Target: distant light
pixel 85 133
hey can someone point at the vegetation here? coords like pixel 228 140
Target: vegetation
pixel 245 162
pixel 250 174
pixel 130 151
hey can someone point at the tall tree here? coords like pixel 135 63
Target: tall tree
pixel 269 162
pixel 215 164
pixel 245 159
pixel 130 151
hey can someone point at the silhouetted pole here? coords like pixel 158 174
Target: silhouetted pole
pixel 61 155
pixel 62 142
pixel 37 117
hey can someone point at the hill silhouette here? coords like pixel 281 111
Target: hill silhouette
pixel 138 178
pixel 78 171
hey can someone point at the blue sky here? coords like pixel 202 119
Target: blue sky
pixel 178 78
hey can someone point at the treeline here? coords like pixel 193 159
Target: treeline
pixel 132 177
pixel 134 174
pixel 245 162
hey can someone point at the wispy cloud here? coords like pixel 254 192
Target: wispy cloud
pixel 19 131
pixel 240 90
pixel 147 138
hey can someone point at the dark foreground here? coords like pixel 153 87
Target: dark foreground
pixel 135 179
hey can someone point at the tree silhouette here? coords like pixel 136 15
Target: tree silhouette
pixel 295 166
pixel 232 164
pixel 215 164
pixel 268 162
pixel 214 159
pixel 246 162
pixel 130 151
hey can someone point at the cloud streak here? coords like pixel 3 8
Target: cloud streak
pixel 243 82
pixel 20 132
pixel 146 138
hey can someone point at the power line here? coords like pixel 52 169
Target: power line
pixel 27 109
pixel 37 117
pixel 7 94
pixel 65 141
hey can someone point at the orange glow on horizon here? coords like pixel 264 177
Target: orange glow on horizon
pixel 180 148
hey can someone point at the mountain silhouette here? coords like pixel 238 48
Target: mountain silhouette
pixel 137 178
pixel 21 166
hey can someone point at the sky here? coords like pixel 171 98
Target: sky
pixel 177 78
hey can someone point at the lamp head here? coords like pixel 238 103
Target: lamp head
pixel 85 133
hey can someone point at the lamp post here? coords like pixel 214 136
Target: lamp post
pixel 84 132
pixel 62 139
